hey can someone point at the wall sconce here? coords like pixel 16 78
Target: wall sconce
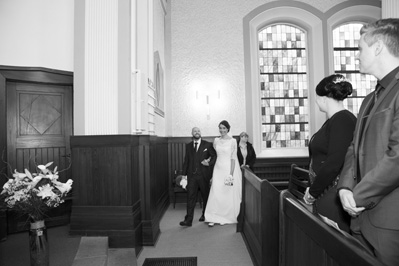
pixel 208 109
pixel 207 102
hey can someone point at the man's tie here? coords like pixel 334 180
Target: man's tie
pixel 378 90
pixel 195 165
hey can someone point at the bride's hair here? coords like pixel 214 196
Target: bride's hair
pixel 226 124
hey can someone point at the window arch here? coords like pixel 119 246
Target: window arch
pixel 283 86
pixel 345 44
pixel 308 20
pixel 320 57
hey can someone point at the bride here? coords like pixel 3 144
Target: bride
pixel 224 199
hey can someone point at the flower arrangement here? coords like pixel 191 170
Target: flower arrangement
pixel 35 193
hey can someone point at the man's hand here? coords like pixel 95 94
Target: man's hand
pixel 184 182
pixel 348 203
pixel 206 162
pixel 309 199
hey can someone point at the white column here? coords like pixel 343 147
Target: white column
pixel 101 67
pixel 125 102
pixel 143 56
pixel 390 8
pixel 96 67
pixel 111 66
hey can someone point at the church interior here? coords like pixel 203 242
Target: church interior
pixel 109 90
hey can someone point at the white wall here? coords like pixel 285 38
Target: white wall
pixel 37 33
pixel 159 45
pixel 208 56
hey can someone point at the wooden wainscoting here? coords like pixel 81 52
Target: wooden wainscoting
pixel 106 193
pixel 277 170
pixel 121 188
pixel 154 184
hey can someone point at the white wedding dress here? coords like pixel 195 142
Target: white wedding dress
pixel 224 201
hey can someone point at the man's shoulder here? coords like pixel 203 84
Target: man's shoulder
pixel 204 141
pixel 190 143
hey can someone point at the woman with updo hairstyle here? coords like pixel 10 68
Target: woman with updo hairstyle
pixel 327 149
pixel 224 199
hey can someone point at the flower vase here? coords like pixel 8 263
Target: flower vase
pixel 38 244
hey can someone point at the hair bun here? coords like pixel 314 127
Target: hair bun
pixel 341 89
pixel 335 86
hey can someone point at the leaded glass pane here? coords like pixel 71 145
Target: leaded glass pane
pixel 346 40
pixel 284 87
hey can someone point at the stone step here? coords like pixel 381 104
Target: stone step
pixel 122 257
pixel 92 251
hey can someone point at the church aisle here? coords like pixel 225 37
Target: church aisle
pixel 214 246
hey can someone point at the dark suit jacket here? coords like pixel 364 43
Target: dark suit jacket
pixel 374 154
pixel 251 156
pixel 205 151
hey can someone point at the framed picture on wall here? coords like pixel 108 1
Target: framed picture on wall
pixel 159 85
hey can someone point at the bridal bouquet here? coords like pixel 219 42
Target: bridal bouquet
pixel 35 193
pixel 181 181
pixel 228 181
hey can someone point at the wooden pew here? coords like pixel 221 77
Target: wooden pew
pixel 277 170
pixel 306 240
pixel 261 219
pixel 279 229
pixel 299 181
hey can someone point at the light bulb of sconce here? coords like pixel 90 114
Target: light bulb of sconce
pixel 196 95
pixel 208 111
pixel 219 94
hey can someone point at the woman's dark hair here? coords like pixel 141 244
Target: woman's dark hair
pixel 226 124
pixel 334 86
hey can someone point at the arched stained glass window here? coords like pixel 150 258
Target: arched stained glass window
pixel 345 41
pixel 283 87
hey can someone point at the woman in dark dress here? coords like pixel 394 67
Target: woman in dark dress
pixel 327 149
pixel 245 152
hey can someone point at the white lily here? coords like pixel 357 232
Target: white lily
pixel 45 191
pixel 64 187
pixel 18 175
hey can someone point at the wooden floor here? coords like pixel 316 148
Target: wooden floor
pixel 213 246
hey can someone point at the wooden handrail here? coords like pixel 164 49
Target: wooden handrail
pixel 306 240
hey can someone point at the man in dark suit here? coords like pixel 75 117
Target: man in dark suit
pixel 198 161
pixel 369 181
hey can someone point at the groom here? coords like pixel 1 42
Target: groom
pixel 200 156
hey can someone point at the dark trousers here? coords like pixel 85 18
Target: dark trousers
pixel 384 243
pixel 196 182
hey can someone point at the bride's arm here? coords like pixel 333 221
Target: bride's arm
pixel 232 165
pixel 233 156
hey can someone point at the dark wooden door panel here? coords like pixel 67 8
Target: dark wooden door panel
pixel 39 125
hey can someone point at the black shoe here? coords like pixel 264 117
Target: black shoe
pixel 202 218
pixel 185 223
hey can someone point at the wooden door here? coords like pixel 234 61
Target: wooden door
pixel 39 125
